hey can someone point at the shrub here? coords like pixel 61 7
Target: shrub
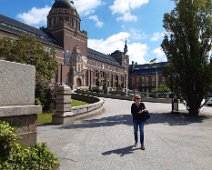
pixel 161 89
pixel 44 94
pixel 37 101
pixel 7 140
pixel 15 156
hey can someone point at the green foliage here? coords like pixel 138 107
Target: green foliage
pixel 37 101
pixel 161 89
pixel 187 45
pixel 27 50
pixel 21 158
pixel 7 139
pixel 44 94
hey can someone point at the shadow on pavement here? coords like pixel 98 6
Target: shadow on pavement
pixel 175 119
pixel 121 151
pixel 172 119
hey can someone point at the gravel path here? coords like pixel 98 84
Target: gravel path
pixel 173 141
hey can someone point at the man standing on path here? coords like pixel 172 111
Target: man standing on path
pixel 137 110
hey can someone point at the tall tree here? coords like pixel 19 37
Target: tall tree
pixel 188 45
pixel 27 50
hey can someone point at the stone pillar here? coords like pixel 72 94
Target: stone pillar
pixel 63 114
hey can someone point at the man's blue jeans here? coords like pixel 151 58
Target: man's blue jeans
pixel 140 124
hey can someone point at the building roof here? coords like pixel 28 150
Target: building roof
pixel 15 27
pixel 143 69
pixel 102 57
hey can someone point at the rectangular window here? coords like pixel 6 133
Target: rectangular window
pixel 79 68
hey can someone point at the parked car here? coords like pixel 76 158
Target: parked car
pixel 209 102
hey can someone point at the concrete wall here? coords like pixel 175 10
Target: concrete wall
pixel 17 94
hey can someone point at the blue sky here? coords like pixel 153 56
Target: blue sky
pixel 108 23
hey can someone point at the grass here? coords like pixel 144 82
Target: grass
pixel 78 103
pixel 46 117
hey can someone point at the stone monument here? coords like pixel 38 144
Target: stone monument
pixel 17 95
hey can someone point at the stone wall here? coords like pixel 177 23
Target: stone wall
pixel 124 97
pixel 95 107
pixel 17 94
pixel 65 114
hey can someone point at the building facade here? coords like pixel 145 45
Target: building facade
pixel 78 65
pixel 146 77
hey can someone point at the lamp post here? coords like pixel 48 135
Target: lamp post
pixel 90 79
pixel 90 70
pixel 156 80
pixel 61 73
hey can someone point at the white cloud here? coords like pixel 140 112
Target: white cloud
pixel 85 7
pixel 157 36
pixel 127 17
pixel 159 54
pixel 109 45
pixel 96 19
pixel 136 51
pixel 137 35
pixel 35 16
pixel 125 7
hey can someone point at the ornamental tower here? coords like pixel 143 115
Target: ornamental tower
pixel 63 22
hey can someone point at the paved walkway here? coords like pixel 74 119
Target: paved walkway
pixel 173 142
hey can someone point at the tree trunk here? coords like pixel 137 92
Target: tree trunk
pixel 193 109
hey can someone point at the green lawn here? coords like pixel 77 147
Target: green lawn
pixel 78 103
pixel 46 118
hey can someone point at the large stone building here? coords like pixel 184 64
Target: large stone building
pixel 78 65
pixel 145 77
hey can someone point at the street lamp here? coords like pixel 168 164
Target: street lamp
pixel 90 78
pixel 60 73
pixel 156 80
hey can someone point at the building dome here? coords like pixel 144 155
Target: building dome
pixel 116 53
pixel 63 12
pixel 63 4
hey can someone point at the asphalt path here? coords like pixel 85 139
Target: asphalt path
pixel 105 142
